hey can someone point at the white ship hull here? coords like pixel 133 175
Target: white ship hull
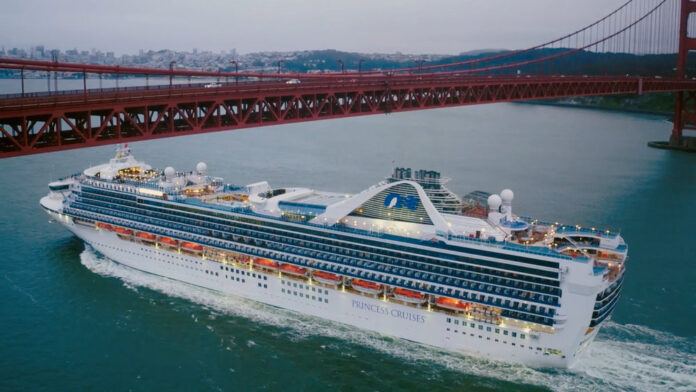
pixel 415 323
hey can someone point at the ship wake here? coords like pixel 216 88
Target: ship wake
pixel 622 358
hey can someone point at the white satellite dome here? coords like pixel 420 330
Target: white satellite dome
pixel 494 202
pixel 201 168
pixel 169 172
pixel 506 195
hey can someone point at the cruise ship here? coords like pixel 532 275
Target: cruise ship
pixel 406 257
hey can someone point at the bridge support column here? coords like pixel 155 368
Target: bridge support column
pixel 685 101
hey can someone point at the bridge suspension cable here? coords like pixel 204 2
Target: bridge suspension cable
pixel 626 35
pixel 638 27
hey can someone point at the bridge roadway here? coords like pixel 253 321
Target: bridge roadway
pixel 42 122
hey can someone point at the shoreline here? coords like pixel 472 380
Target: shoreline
pixel 668 115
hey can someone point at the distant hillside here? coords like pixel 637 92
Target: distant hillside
pixel 586 63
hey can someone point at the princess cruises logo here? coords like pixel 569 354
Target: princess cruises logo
pixel 394 200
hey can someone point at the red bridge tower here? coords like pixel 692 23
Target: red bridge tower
pixel 685 102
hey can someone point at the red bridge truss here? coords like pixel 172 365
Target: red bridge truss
pixel 40 124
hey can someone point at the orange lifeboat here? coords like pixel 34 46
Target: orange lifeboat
pixel 451 303
pixel 293 270
pixel 102 225
pixel 192 246
pixel 168 241
pixel 145 236
pixel 122 230
pixel 327 278
pixel 408 295
pixel 244 259
pixel 366 286
pixel 266 263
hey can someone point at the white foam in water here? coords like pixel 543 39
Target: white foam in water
pixel 623 358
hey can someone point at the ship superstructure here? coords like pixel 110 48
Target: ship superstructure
pixel 453 273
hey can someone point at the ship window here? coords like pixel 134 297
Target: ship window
pixel 259 284
pixel 449 320
pixel 497 330
pixel 473 325
pixel 488 329
pixel 456 322
pixel 448 329
pixel 282 290
pixel 326 300
pixel 521 336
pixel 313 298
pixel 481 327
pixel 514 334
pixel 505 332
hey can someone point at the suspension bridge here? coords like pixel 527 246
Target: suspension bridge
pixel 641 47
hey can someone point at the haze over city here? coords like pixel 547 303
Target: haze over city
pixel 441 26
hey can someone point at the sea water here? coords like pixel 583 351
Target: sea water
pixel 71 319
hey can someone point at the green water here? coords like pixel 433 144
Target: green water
pixel 72 320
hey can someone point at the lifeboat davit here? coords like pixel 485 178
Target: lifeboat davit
pixel 451 303
pixel 293 270
pixel 168 241
pixel 104 226
pixel 192 246
pixel 145 236
pixel 408 295
pixel 327 278
pixel 122 231
pixel 266 263
pixel 366 287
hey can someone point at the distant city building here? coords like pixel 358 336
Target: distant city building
pixel 296 61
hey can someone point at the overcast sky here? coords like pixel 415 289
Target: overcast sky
pixel 408 26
